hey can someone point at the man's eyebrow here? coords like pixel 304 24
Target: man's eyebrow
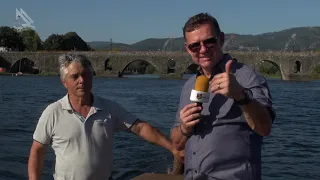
pixel 73 74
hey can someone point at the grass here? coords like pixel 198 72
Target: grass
pixel 278 76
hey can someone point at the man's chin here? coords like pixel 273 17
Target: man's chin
pixel 207 64
pixel 82 93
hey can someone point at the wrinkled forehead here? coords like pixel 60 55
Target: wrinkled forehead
pixel 202 32
pixel 76 68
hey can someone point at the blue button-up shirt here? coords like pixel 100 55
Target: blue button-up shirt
pixel 223 146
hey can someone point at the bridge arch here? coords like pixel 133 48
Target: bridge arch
pixel 142 70
pixel 24 65
pixel 5 64
pixel 171 66
pixel 191 69
pixel 278 68
pixel 297 66
pixel 107 65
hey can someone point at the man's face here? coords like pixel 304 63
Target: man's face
pixel 204 46
pixel 78 80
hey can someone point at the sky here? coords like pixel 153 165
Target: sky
pixel 130 21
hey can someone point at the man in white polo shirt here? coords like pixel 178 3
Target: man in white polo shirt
pixel 80 128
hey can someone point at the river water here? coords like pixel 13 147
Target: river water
pixel 292 151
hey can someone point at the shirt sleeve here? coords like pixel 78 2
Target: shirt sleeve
pixel 44 128
pixel 124 118
pixel 260 90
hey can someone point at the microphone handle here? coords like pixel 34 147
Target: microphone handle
pixel 199 104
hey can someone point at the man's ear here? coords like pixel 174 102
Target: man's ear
pixel 186 46
pixel 64 83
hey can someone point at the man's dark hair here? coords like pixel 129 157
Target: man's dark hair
pixel 195 21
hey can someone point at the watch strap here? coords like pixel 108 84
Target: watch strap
pixel 246 98
pixel 185 134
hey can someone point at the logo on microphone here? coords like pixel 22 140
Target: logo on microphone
pixel 199 96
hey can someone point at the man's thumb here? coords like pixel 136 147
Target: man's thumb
pixel 228 66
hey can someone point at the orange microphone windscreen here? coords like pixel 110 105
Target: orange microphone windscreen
pixel 202 83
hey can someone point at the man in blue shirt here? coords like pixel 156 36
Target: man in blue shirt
pixel 222 138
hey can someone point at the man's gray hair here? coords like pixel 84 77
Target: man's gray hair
pixel 66 59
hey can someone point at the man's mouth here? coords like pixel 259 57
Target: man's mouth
pixel 204 58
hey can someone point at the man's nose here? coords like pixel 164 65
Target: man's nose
pixel 81 79
pixel 203 48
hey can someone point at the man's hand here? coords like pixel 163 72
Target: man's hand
pixel 178 155
pixel 226 84
pixel 178 162
pixel 190 116
pixel 256 115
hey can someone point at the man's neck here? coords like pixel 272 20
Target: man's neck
pixel 79 102
pixel 209 71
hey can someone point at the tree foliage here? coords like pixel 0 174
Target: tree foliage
pixel 316 70
pixel 71 40
pixel 11 39
pixel 29 40
pixel 67 42
pixel 267 68
pixel 54 43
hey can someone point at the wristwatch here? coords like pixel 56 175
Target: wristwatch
pixel 186 134
pixel 247 98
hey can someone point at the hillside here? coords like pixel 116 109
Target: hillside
pixel 103 45
pixel 305 38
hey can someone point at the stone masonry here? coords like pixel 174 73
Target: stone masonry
pixel 118 61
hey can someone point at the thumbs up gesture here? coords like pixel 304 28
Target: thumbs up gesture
pixel 226 84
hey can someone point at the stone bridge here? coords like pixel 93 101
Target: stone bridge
pixel 114 63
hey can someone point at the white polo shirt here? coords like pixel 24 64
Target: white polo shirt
pixel 83 146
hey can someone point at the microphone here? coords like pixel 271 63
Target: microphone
pixel 200 92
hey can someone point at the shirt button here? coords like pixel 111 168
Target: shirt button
pixel 194 153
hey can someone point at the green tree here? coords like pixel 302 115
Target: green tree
pixel 54 43
pixel 316 70
pixel 31 40
pixel 73 41
pixel 10 38
pixel 67 42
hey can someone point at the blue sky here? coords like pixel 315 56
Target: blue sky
pixel 129 21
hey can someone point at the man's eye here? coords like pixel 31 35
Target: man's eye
pixel 74 76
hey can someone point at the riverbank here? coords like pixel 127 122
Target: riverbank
pixel 295 77
pixel 298 77
pixel 273 76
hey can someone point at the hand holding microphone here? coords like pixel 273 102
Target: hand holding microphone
pixel 200 92
pixel 190 114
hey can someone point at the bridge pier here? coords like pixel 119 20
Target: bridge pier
pixel 120 74
pixel 162 61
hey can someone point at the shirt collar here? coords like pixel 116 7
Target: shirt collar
pixel 67 106
pixel 220 67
